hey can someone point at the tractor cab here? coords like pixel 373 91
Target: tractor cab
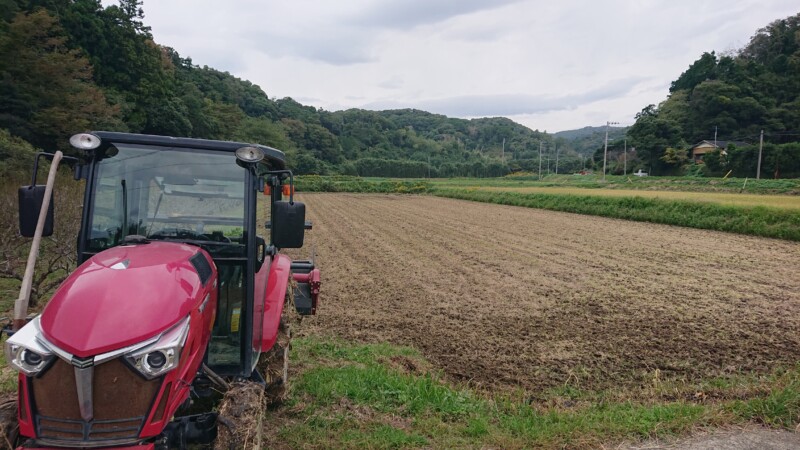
pixel 202 193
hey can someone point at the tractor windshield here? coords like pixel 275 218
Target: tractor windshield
pixel 163 193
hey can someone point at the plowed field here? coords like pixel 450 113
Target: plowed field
pixel 507 297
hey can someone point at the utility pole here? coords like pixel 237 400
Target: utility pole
pixel 504 150
pixel 625 158
pixel 715 136
pixel 557 150
pixel 540 160
pixel 429 165
pixel 583 161
pixel 605 150
pixel 760 148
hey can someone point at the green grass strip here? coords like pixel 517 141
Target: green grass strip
pixel 756 221
pixel 685 183
pixel 355 396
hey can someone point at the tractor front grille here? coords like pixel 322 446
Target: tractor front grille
pixel 99 432
pixel 121 402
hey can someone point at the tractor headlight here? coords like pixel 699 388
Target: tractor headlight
pixel 163 355
pixel 25 350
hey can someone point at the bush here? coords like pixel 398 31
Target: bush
pixel 16 155
pixel 57 255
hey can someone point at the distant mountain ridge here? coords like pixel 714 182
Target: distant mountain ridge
pixel 572 135
pixel 587 140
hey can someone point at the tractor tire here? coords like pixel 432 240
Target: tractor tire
pixel 9 427
pixel 241 412
pixel 274 364
pixel 241 417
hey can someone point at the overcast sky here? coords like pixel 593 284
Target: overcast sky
pixel 550 65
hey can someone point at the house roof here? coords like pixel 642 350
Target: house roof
pixel 720 144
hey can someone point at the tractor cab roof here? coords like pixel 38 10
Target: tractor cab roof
pixel 275 157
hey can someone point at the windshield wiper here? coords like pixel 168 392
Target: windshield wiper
pixel 124 208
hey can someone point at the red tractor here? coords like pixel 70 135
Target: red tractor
pixel 176 296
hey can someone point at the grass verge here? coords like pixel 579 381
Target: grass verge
pixel 380 396
pixel 757 220
pixel 683 184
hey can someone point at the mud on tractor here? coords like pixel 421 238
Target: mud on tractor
pixel 177 301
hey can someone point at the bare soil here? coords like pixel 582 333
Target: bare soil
pixel 750 437
pixel 506 298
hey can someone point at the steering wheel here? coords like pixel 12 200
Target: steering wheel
pixel 217 236
pixel 179 233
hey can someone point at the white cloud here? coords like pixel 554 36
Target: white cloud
pixel 548 65
pixel 406 14
pixel 512 104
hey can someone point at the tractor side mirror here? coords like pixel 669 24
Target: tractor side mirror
pixel 288 224
pixel 30 203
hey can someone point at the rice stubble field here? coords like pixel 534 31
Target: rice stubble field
pixel 509 299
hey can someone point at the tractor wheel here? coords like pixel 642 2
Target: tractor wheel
pixel 241 417
pixel 274 364
pixel 242 409
pixel 9 427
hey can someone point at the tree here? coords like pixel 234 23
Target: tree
pixel 652 135
pixel 722 105
pixel 701 70
pixel 262 131
pixel 675 156
pixel 48 92
pixel 714 162
pixel 305 164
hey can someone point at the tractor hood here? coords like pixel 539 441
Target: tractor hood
pixel 123 296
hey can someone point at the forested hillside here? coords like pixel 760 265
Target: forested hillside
pixel 588 140
pixel 735 95
pixel 76 65
pixel 591 133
